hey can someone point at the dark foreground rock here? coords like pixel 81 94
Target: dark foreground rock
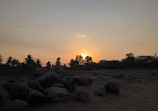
pixel 17 91
pixel 36 98
pixel 67 82
pixel 57 94
pixel 16 105
pixel 48 79
pixel 112 88
pixel 81 95
pixel 34 84
pixel 4 98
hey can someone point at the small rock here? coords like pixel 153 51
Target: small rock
pixel 112 88
pixel 57 94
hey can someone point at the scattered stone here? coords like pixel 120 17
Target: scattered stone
pixel 57 94
pixel 112 88
pixel 16 105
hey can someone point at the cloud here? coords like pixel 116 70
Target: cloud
pixel 80 36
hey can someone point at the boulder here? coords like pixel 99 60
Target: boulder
pixel 67 82
pixel 48 79
pixel 36 98
pixel 4 98
pixel 34 84
pixel 81 95
pixel 57 94
pixel 112 87
pixel 100 92
pixel 17 91
pixel 16 105
pixel 82 80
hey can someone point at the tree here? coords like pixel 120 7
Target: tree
pixel 129 58
pixel 15 62
pixel 38 63
pixel 1 59
pixel 29 60
pixel 80 59
pixel 9 61
pixel 73 63
pixel 58 63
pixel 48 65
pixel 129 55
pixel 88 59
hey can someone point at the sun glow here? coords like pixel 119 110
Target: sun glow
pixel 84 55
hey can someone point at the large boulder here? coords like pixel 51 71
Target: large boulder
pixel 112 87
pixel 81 94
pixel 48 79
pixel 34 84
pixel 82 80
pixel 36 98
pixel 57 94
pixel 17 91
pixel 16 105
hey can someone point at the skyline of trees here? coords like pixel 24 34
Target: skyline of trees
pixel 129 61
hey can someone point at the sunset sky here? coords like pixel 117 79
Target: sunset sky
pixel 103 29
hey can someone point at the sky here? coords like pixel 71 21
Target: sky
pixel 102 29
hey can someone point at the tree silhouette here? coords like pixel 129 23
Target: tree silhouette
pixel 1 59
pixel 73 63
pixel 9 61
pixel 88 59
pixel 38 63
pixel 130 59
pixel 29 60
pixel 48 65
pixel 15 62
pixel 80 59
pixel 58 63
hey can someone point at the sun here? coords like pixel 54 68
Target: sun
pixel 84 55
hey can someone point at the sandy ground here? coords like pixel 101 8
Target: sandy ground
pixel 138 92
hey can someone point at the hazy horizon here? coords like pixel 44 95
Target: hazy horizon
pixel 102 29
